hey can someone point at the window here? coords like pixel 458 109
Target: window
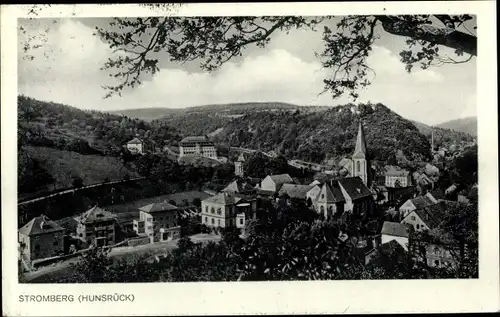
pixel 418 226
pixel 358 166
pixel 206 209
pixel 206 219
pixel 241 221
pixel 412 217
pixel 219 211
pixel 436 262
pixel 213 221
pixel 322 209
pixel 218 222
pixel 212 210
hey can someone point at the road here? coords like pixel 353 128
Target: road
pixel 58 270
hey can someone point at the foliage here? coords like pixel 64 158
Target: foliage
pixel 465 167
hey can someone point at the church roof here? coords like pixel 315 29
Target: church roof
pixel 360 149
pixel 281 179
pixel 294 190
pixel 355 187
pixel 330 195
pixel 40 225
pixel 241 158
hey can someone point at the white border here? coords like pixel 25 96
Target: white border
pixel 269 297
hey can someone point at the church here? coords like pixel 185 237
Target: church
pixel 358 165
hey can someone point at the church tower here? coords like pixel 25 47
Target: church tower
pixel 238 165
pixel 360 165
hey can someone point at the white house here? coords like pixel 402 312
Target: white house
pixel 397 177
pixel 197 146
pixel 414 204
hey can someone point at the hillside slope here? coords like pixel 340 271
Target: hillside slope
pixel 64 166
pixel 329 134
pixel 465 125
pixel 444 137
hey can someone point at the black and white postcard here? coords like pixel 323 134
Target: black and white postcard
pixel 249 158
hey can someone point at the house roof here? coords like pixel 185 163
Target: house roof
pixel 294 190
pixel 281 179
pixel 329 194
pixel 360 149
pixel 395 229
pixel 40 225
pixel 241 158
pixel 421 202
pixel 135 141
pixel 355 187
pixel 238 186
pixel 224 198
pixel 315 182
pixel 95 214
pixel 158 207
pixel 194 139
pixel 391 170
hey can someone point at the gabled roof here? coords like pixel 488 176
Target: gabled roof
pixel 135 141
pixel 281 179
pixel 238 186
pixel 158 207
pixel 329 194
pixel 40 225
pixel 395 229
pixel 422 202
pixel 354 187
pixel 194 139
pixel 241 158
pixel 95 214
pixel 360 149
pixel 294 190
pixel 225 199
pixel 437 194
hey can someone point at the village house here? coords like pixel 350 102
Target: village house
pixel 423 180
pixel 40 238
pixel 396 231
pixel 197 146
pixel 386 252
pixel 396 177
pixel 158 221
pixel 415 203
pixel 238 165
pixel 96 227
pixel 429 217
pixel 439 255
pixel 312 193
pixel 273 183
pixel 221 211
pixel 137 146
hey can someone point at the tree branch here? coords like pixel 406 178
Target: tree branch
pixel 448 37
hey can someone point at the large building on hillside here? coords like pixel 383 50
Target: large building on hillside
pixel 396 177
pixel 40 238
pixel 197 146
pixel 137 146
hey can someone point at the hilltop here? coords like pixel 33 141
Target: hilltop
pixel 464 125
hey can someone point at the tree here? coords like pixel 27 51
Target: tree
pixel 348 42
pixel 93 266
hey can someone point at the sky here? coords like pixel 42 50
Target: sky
pixel 66 69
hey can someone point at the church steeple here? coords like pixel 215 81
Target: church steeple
pixel 360 149
pixel 361 166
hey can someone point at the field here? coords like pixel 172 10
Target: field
pixel 64 165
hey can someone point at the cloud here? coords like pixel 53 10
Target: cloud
pixel 283 73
